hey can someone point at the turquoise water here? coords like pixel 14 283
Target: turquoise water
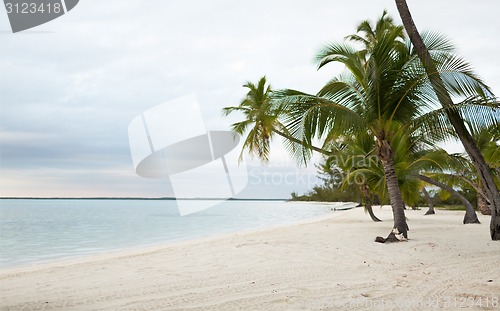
pixel 35 231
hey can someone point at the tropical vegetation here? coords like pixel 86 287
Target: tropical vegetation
pixel 383 105
pixel 491 190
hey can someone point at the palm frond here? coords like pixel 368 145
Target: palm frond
pixel 476 112
pixel 459 78
pixel 435 43
pixel 343 53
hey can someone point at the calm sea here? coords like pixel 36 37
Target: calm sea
pixel 35 231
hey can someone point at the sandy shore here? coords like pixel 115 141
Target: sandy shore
pixel 331 264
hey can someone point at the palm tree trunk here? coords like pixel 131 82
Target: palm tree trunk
pixel 470 216
pixel 429 202
pixel 465 137
pixel 482 205
pixel 368 201
pixel 400 227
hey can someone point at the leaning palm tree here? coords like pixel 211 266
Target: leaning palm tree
pixel 462 172
pixel 353 157
pixel 414 160
pixel 262 122
pixel 438 84
pixel 430 202
pixel 383 92
pixel 436 175
pixel 470 216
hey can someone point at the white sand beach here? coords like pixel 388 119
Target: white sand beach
pixel 328 264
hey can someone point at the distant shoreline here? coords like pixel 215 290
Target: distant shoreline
pixel 135 198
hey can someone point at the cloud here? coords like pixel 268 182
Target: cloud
pixel 68 95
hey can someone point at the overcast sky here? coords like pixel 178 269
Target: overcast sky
pixel 70 88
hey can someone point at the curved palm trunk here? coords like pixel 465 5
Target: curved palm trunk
pixel 470 214
pixel 368 201
pixel 430 202
pixel 468 142
pixel 400 228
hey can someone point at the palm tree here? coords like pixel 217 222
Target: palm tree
pixel 359 101
pixel 262 120
pixel 384 91
pixel 488 142
pixel 444 97
pixel 470 216
pixel 262 114
pixel 358 168
pixel 462 172
pixel 418 161
pixel 430 202
pixel 412 157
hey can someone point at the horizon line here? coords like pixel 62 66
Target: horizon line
pixel 140 198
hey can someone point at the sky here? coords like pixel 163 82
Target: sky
pixel 70 88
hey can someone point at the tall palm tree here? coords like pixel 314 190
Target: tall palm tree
pixel 383 92
pixel 358 101
pixel 444 97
